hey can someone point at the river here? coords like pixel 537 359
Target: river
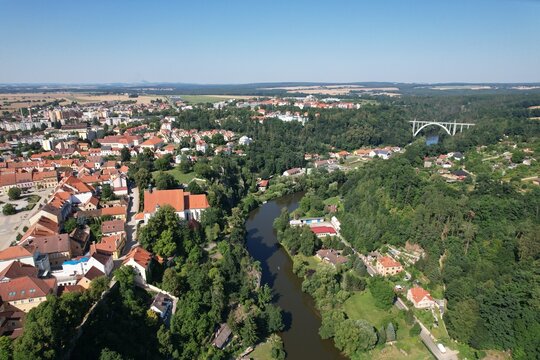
pixel 302 320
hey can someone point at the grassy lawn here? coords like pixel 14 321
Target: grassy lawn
pixel 178 175
pixel 263 351
pixel 362 306
pixel 32 201
pixel 410 348
pixel 334 201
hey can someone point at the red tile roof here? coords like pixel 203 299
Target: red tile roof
pixel 109 244
pixel 114 211
pixel 26 287
pixel 387 261
pixel 140 256
pixel 112 226
pixel 323 230
pixel 50 244
pixel 16 252
pixel 93 273
pixel 153 141
pixel 178 199
pixel 18 269
pixel 419 293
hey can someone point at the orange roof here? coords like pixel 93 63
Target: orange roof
pixel 42 154
pixel 198 201
pixel 16 252
pixel 362 151
pixel 109 244
pixel 26 287
pixel 77 184
pixel 60 199
pixel 419 293
pixel 139 216
pixel 387 261
pixel 178 199
pixel 174 198
pixel 45 175
pixel 140 256
pixel 114 210
pixel 90 179
pixel 152 141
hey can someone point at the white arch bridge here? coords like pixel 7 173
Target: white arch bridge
pixel 450 127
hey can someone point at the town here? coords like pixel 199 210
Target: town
pixel 268 181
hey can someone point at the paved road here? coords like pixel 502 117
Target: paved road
pixel 131 225
pixel 429 341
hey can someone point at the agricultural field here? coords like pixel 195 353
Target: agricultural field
pixel 15 101
pixel 203 99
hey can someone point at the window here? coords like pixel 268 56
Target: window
pixel 12 293
pixel 31 291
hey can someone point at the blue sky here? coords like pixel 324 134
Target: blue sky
pixel 226 41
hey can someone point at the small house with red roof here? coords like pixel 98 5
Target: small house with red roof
pixel 420 298
pixel 139 259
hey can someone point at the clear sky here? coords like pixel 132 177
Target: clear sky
pixel 226 41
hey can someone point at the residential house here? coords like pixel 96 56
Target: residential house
pixel 201 146
pixel 25 254
pixel 57 247
pixel 79 240
pixel 17 269
pixel 387 266
pixel 112 245
pixel 162 305
pixel 153 143
pixel 222 336
pixel 420 298
pixel 292 172
pixel 11 320
pixel 89 276
pixel 263 185
pixel 140 260
pixel 113 227
pixel 26 292
pixel 118 212
pixel 332 257
pixel 120 141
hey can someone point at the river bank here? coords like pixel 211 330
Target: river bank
pixel 302 319
pixel 357 320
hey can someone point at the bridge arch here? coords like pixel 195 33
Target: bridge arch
pixel 432 123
